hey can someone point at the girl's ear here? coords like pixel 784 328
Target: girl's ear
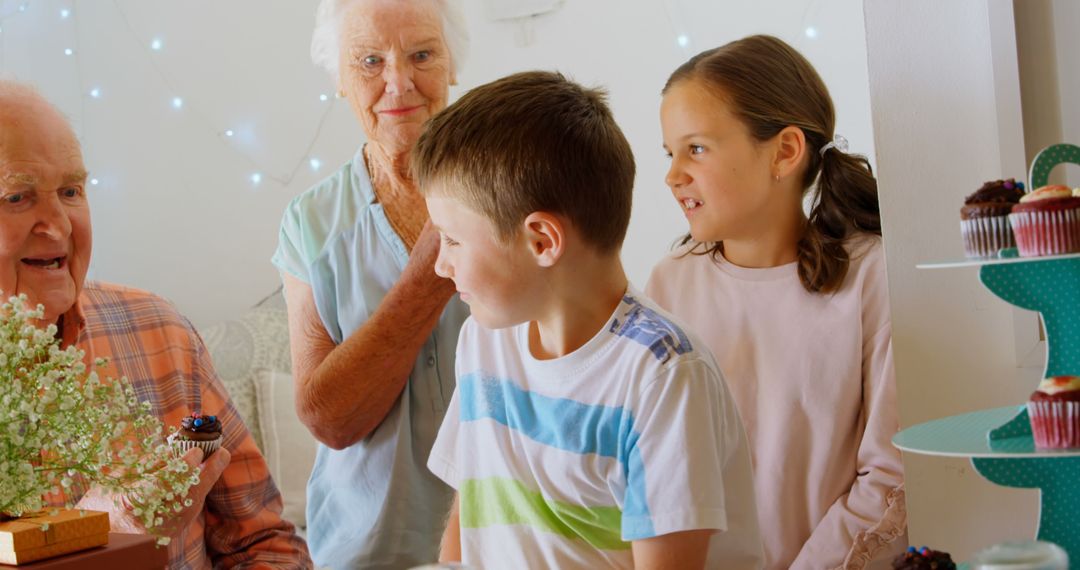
pixel 545 235
pixel 790 151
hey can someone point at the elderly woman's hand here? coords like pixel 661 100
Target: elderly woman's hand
pixel 422 260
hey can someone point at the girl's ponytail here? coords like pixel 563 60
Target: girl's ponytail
pixel 845 203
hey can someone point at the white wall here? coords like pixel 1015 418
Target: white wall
pixel 947 117
pixel 175 210
pixel 1049 78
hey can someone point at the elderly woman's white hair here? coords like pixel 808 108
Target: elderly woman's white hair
pixel 326 48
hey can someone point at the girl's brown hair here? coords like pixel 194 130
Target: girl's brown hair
pixel 770 86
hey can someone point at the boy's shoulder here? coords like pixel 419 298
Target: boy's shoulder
pixel 640 320
pixel 639 343
pixel 665 345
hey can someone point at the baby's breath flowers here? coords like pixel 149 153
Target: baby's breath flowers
pixel 63 430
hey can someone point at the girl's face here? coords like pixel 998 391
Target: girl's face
pixel 721 177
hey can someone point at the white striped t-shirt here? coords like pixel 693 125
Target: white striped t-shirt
pixel 562 463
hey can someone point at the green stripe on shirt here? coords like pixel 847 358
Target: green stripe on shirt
pixel 497 500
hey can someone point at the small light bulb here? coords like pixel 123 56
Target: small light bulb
pixel 22 7
pixel 323 97
pixel 65 13
pixel 177 102
pixel 68 51
pixel 94 181
pixel 95 93
pixel 256 178
pixel 683 40
pixel 315 163
pixel 156 44
pixel 811 32
pixel 229 132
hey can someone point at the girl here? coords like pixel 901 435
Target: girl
pixel 795 307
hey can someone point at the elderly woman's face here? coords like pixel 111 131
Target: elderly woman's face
pixel 45 234
pixel 395 68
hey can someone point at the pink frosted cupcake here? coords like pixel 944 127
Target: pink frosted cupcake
pixel 197 430
pixel 1054 410
pixel 1047 222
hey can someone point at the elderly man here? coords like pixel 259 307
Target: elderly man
pixel 235 516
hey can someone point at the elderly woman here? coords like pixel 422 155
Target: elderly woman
pixel 373 329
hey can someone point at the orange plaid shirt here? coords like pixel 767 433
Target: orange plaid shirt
pixel 157 349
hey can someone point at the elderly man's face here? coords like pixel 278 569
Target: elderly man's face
pixel 44 216
pixel 395 68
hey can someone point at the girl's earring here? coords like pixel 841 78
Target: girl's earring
pixel 341 93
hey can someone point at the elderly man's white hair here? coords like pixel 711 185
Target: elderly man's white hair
pixel 14 92
pixel 325 41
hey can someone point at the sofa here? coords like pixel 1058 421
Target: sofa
pixel 251 355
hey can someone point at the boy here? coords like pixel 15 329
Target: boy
pixel 588 429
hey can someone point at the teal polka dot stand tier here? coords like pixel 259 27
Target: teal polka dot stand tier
pixel 999 441
pixel 1047 159
pixel 1050 286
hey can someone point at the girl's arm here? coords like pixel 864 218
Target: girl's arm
pixel 871 519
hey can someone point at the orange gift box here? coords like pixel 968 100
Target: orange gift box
pixel 42 535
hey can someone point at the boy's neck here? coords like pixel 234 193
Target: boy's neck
pixel 583 294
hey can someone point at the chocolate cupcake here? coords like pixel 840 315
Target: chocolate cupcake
pixel 1047 222
pixel 984 219
pixel 923 559
pixel 1054 410
pixel 197 430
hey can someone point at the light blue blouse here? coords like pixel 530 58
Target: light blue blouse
pixel 375 504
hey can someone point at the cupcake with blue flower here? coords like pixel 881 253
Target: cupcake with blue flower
pixel 197 430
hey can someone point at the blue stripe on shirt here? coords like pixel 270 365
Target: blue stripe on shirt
pixel 568 425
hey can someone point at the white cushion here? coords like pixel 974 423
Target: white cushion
pixel 258 339
pixel 287 444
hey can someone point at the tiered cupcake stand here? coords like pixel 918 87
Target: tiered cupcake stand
pixel 999 441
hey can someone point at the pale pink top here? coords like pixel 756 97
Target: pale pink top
pixel 813 378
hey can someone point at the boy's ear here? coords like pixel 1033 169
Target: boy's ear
pixel 545 235
pixel 790 150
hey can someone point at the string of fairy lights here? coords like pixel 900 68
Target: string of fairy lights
pixel 156 44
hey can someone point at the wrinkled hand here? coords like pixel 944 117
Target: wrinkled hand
pixel 210 472
pixel 422 261
pixel 120 509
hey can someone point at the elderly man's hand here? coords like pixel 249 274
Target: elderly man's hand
pixel 208 477
pixel 121 518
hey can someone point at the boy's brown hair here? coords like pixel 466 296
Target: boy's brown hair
pixel 532 142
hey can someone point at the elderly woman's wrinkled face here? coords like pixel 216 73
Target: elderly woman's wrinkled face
pixel 45 234
pixel 395 68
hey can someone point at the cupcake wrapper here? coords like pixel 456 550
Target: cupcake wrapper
pixel 181 446
pixel 984 237
pixel 1055 425
pixel 1046 233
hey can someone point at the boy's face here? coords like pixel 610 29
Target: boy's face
pixel 494 278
